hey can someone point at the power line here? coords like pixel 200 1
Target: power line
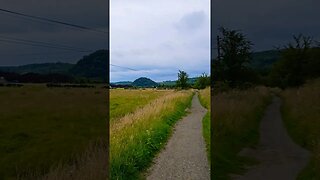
pixel 41 53
pixel 32 17
pixel 42 43
pixel 124 67
pixel 39 45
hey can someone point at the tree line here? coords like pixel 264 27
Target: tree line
pixel 299 61
pixel 202 81
pixel 44 78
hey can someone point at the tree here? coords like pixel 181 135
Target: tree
pixel 297 63
pixel 232 64
pixel 182 81
pixel 203 81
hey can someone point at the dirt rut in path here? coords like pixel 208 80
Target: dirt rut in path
pixel 279 157
pixel 184 156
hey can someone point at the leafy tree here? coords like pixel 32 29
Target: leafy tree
pixel 299 61
pixel 182 80
pixel 203 81
pixel 232 64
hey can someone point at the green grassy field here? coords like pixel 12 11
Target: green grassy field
pixel 301 114
pixel 136 137
pixel 236 118
pixel 205 100
pixel 123 101
pixel 42 127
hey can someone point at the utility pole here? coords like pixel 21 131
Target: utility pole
pixel 218 47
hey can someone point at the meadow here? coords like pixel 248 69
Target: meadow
pixel 301 114
pixel 123 102
pixel 43 128
pixel 236 118
pixel 136 137
pixel 205 100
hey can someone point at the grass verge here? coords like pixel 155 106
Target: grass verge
pixel 236 118
pixel 137 137
pixel 301 115
pixel 124 101
pixel 204 97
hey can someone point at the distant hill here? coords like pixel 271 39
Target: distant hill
pixel 93 66
pixel 122 83
pixel 144 82
pixel 45 68
pixel 168 83
pixel 264 59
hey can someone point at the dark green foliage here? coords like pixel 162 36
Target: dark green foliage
pixel 233 64
pixel 203 81
pixel 36 78
pixel 90 69
pixel 190 81
pixel 263 60
pixel 93 66
pixel 299 61
pixel 144 82
pixel 45 68
pixel 182 81
pixel 261 65
pixel 123 83
pixel 166 86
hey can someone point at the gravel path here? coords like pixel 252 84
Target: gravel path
pixel 279 156
pixel 184 156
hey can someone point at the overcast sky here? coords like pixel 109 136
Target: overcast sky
pixel 267 23
pixel 157 38
pixel 90 13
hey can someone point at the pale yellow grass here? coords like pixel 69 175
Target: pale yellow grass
pixel 123 101
pixel 301 113
pixel 205 97
pixel 235 109
pixel 136 137
pixel 93 164
pixel 148 112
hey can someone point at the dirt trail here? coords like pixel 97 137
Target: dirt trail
pixel 184 156
pixel 279 157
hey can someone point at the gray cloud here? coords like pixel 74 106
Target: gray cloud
pixel 267 23
pixel 191 21
pixel 159 37
pixel 93 14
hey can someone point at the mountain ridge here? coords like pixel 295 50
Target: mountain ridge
pixel 92 66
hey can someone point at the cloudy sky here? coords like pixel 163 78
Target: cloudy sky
pixel 89 13
pixel 267 23
pixel 157 38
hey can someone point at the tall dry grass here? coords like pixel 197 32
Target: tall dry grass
pixel 236 116
pixel 205 100
pixel 124 101
pixel 205 97
pixel 301 114
pixel 137 137
pixel 147 112
pixel 91 165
